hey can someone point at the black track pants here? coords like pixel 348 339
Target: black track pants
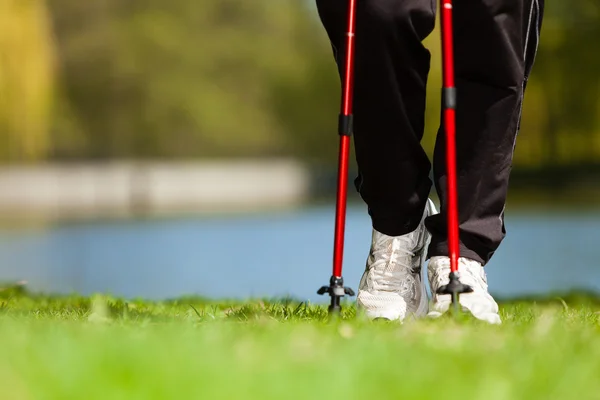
pixel 495 44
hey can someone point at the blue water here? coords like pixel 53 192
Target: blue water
pixel 273 255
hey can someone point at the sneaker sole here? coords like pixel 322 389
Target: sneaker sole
pixel 490 317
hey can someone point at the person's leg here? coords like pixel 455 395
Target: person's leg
pixel 391 71
pixel 389 104
pixel 495 46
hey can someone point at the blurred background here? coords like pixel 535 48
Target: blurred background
pixel 159 149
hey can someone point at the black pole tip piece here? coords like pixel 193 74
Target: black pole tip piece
pixel 336 290
pixel 454 287
pixel 335 309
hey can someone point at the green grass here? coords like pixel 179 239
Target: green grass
pixel 104 348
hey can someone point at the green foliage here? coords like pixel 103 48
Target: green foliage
pixel 182 78
pixel 212 78
pixel 26 79
pixel 561 123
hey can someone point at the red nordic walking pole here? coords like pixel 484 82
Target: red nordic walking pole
pixel 454 287
pixel 336 287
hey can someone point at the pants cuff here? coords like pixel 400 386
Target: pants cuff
pixel 396 226
pixel 440 248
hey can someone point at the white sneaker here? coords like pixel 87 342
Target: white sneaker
pixel 392 286
pixel 479 303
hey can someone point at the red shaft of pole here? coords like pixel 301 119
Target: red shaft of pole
pixel 348 87
pixel 340 210
pixel 450 129
pixel 346 110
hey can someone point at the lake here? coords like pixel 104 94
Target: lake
pixel 275 254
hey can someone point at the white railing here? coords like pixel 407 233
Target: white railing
pixel 151 187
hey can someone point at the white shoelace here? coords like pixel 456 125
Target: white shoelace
pixel 392 267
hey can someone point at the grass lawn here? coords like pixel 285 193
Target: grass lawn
pixel 104 348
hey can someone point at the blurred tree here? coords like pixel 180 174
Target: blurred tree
pixel 26 77
pixel 175 79
pixel 560 121
pixel 184 78
pixel 306 99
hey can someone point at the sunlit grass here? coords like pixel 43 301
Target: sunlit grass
pixel 100 347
